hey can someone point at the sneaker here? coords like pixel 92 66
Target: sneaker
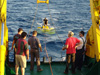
pixel 40 70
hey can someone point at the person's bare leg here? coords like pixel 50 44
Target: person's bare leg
pixel 16 69
pixel 23 71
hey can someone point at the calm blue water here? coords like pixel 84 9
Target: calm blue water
pixel 67 15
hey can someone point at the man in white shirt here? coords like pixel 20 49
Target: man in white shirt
pixel 80 51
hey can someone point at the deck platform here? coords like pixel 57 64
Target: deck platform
pixel 57 67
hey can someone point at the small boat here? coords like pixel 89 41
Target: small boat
pixel 46 29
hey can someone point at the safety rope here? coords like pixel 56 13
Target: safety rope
pixel 33 20
pixel 45 43
pixel 53 24
pixel 50 18
pixel 55 28
pixel 45 37
pixel 48 57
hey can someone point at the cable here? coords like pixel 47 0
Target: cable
pixel 54 25
pixel 33 20
pixel 48 57
pixel 45 43
pixel 55 29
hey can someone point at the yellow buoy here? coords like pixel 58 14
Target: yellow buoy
pixel 45 27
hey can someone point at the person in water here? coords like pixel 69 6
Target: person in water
pixel 45 24
pixel 15 38
pixel 35 45
pixel 70 47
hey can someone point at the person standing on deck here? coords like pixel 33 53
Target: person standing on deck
pixel 15 38
pixel 21 49
pixel 35 45
pixel 80 51
pixel 70 47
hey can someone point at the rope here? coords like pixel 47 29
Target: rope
pixel 51 20
pixel 45 43
pixel 48 57
pixel 33 21
pixel 45 37
pixel 54 25
pixel 55 29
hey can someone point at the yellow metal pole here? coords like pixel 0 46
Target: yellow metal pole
pixel 3 34
pixel 2 59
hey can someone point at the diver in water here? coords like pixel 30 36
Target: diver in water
pixel 45 21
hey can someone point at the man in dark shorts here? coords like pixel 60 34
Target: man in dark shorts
pixel 35 45
pixel 15 38
pixel 70 47
pixel 21 49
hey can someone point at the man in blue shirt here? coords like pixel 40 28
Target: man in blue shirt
pixel 35 45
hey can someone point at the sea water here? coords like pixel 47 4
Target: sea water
pixel 67 15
